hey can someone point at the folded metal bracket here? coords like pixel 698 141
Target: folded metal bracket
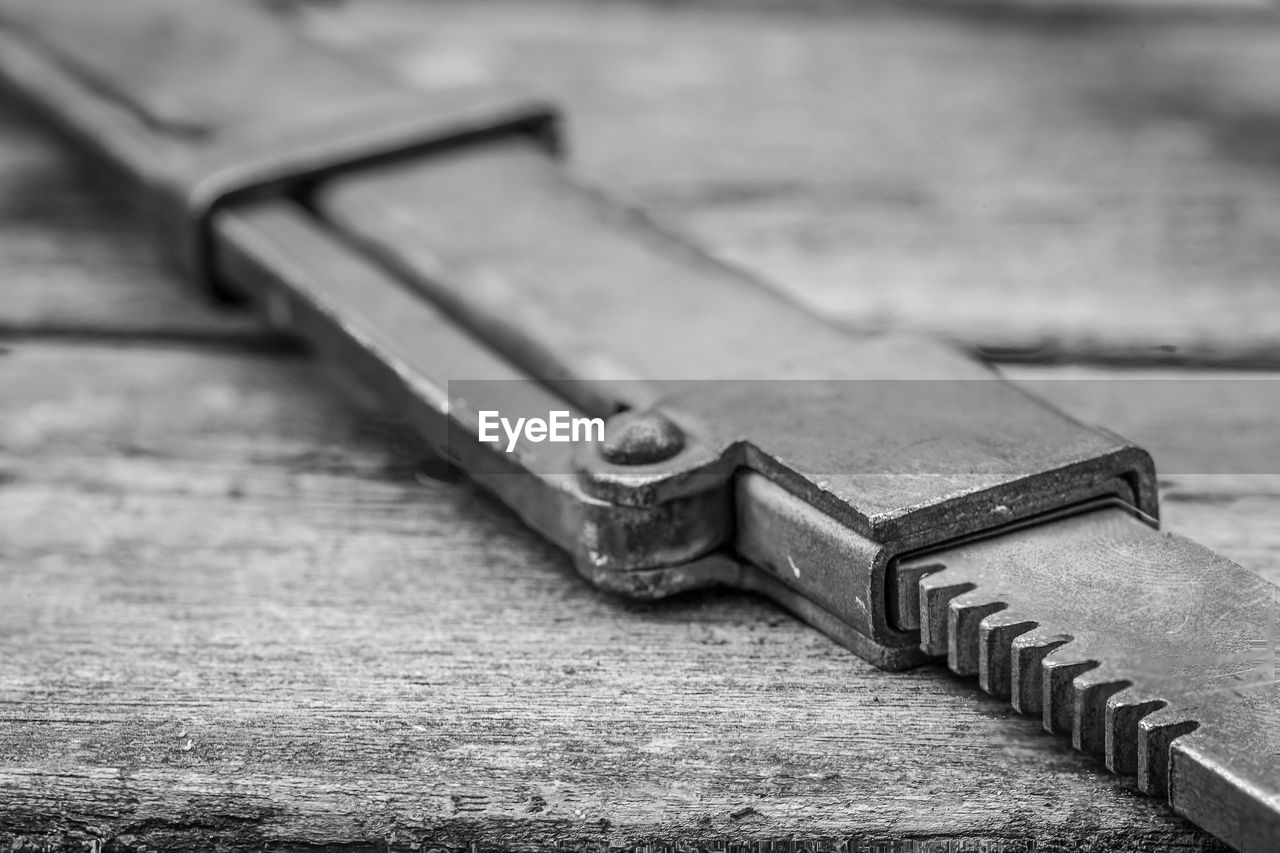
pixel 243 105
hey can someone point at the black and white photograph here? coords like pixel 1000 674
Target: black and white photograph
pixel 640 426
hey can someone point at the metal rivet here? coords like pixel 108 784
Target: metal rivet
pixel 633 438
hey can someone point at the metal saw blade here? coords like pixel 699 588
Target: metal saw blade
pixel 1146 647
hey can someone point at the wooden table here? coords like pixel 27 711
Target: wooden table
pixel 238 611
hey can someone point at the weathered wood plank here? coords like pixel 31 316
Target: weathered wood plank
pixel 1048 186
pixel 232 616
pixel 78 259
pixel 1094 186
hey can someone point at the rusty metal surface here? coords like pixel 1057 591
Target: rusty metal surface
pixel 561 284
pixel 811 554
pixel 1147 648
pixel 199 102
pixel 904 443
pixel 406 350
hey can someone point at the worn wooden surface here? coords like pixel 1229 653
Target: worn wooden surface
pixel 1036 183
pixel 234 613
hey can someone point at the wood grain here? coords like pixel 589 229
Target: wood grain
pixel 233 616
pixel 1095 187
pixel 79 259
pixel 1039 185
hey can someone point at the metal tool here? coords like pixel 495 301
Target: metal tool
pixel 889 490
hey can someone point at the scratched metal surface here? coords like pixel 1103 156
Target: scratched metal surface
pixel 1144 646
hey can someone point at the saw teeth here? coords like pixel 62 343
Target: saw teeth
pixel 936 592
pixel 1156 733
pixel 1093 691
pixel 1043 673
pixel 1001 608
pixel 995 650
pixel 965 615
pixel 1125 711
pixel 1059 671
pixel 907 594
pixel 1026 672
